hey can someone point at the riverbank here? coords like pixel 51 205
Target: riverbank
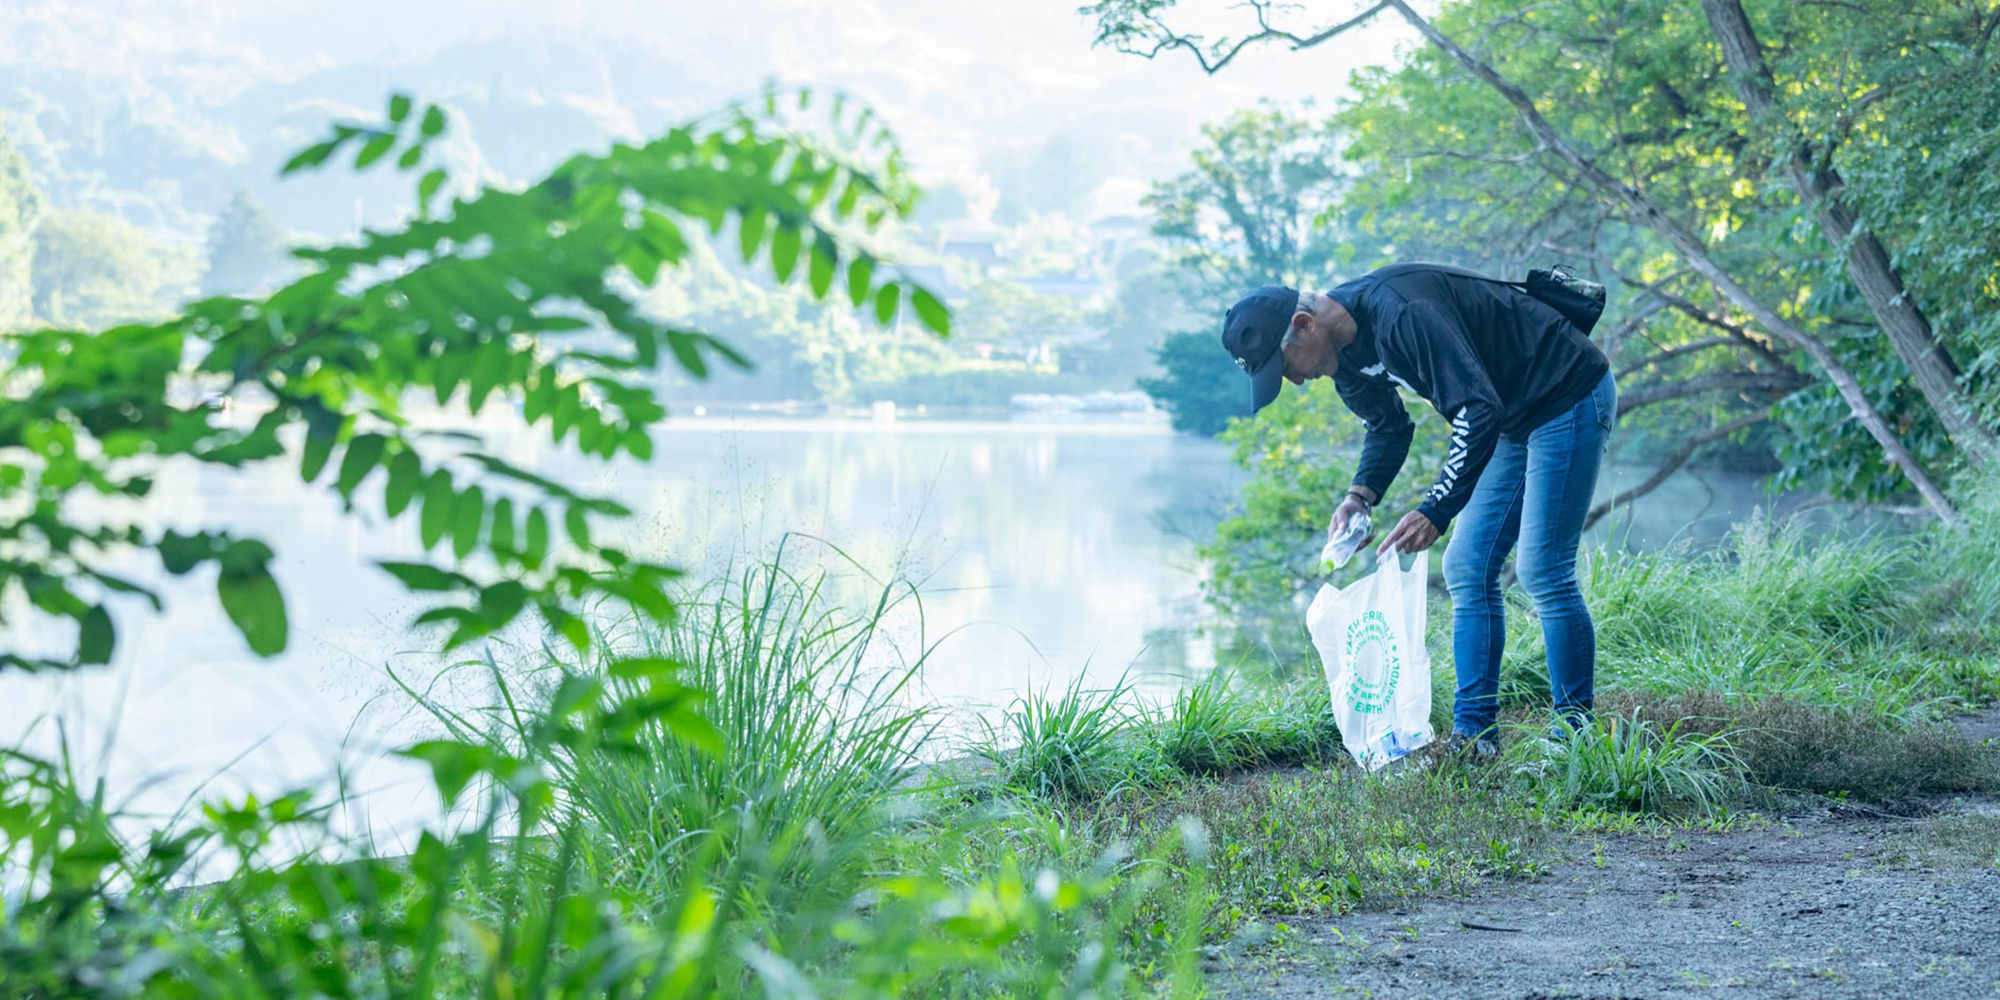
pixel 726 805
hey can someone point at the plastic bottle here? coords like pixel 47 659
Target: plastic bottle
pixel 1347 541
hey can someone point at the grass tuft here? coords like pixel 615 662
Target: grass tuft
pixel 1073 746
pixel 1209 728
pixel 1797 747
pixel 1626 762
pixel 814 746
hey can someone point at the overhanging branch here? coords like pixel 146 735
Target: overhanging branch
pixel 1212 58
pixel 1675 462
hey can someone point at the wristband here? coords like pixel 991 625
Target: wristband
pixel 1365 502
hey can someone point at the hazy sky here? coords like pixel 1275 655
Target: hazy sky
pixel 957 78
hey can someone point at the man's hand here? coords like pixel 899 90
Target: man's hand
pixel 1414 533
pixel 1344 513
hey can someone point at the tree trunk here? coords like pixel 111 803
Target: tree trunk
pixel 1692 250
pixel 1868 264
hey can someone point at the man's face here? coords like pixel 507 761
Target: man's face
pixel 1309 351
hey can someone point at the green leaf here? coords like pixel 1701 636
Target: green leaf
pixel 406 473
pixel 311 156
pixel 500 538
pixel 819 274
pixel 690 725
pixel 428 187
pixel 453 766
pixel 750 232
pixel 433 125
pixel 180 553
pixel 437 512
pixel 887 298
pixel 577 525
pixel 930 311
pixel 467 518
pixel 374 149
pixel 860 271
pixel 537 547
pixel 322 430
pixel 410 158
pixel 363 452
pixel 425 577
pixel 243 555
pixel 399 107
pixel 95 636
pixel 253 601
pixel 785 250
pixel 686 353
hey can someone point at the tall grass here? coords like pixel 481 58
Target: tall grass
pixel 1777 612
pixel 608 841
pixel 1208 728
pixel 1629 764
pixel 1073 745
pixel 814 741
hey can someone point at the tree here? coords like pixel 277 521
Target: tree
pixel 91 270
pixel 246 248
pixel 522 295
pixel 20 207
pixel 1054 179
pixel 1250 211
pixel 1012 318
pixel 1625 107
pixel 1133 327
pixel 1820 188
pixel 1198 386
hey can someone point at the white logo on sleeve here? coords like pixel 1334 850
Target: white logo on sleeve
pixel 1454 463
pixel 1380 370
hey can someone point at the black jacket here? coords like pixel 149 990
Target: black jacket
pixel 1492 358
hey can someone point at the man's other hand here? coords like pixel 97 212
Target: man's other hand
pixel 1414 533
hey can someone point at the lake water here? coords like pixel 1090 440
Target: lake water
pixel 1045 550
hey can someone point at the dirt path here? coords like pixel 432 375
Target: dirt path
pixel 1822 905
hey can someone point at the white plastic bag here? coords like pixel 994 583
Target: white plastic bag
pixel 1370 638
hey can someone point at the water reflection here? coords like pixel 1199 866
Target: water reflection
pixel 1042 551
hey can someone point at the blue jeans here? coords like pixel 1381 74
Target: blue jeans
pixel 1538 492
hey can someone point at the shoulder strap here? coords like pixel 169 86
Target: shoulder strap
pixel 1450 269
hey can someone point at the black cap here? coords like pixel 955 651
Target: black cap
pixel 1251 333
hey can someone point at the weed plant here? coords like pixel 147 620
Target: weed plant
pixel 1627 763
pixel 1075 745
pixel 1776 613
pixel 811 741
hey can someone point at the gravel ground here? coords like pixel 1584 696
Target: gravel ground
pixel 1828 904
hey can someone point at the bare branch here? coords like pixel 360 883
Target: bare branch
pixel 1658 289
pixel 1352 22
pixel 1674 463
pixel 1425 154
pixel 1737 382
pixel 1680 350
pixel 1212 58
